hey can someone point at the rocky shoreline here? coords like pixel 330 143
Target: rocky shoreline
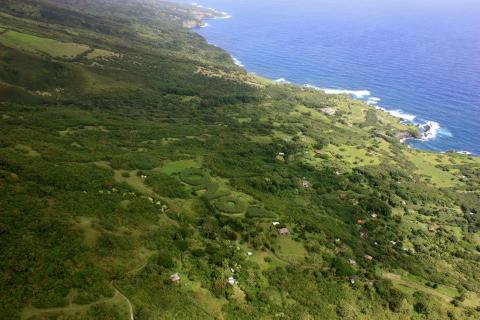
pixel 200 14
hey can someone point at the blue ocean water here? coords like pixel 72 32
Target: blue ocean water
pixel 421 58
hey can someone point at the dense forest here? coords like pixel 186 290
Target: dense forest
pixel 143 175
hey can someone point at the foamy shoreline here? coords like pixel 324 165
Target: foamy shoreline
pixel 221 14
pixel 429 129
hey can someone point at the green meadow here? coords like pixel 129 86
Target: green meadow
pixel 50 47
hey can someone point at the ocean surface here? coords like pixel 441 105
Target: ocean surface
pixel 420 59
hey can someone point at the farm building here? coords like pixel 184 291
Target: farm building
pixel 283 232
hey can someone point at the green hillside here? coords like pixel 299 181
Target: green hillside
pixel 131 151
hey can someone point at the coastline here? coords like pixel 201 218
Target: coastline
pixel 428 129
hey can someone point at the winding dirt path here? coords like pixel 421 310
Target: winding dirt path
pixel 32 311
pixel 130 306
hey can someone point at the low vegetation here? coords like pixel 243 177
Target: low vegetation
pixel 131 150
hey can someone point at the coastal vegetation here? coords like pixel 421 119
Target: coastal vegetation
pixel 132 151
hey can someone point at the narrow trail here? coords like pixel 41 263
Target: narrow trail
pixel 131 272
pixel 130 306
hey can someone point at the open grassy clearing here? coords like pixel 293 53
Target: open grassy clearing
pixel 86 224
pixel 117 302
pixel 354 155
pixel 426 166
pixel 102 54
pixel 27 150
pixel 47 46
pixel 173 167
pixel 411 285
pixel 134 180
pixel 289 249
pixel 204 298
pixel 80 129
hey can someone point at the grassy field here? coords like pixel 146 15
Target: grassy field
pixel 171 167
pixel 102 54
pixel 426 165
pixel 47 46
pixel 353 155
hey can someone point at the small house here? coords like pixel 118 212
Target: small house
pixel 374 215
pixel 275 223
pixel 352 280
pixel 363 234
pixel 361 222
pixel 283 232
pixel 353 262
pixel 368 257
pixel 249 253
pixel 175 278
pixel 433 227
pixel 306 184
pixel 231 281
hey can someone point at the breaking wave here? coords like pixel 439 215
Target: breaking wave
pixel 237 62
pixel 358 94
pixel 282 81
pixel 224 15
pixel 429 129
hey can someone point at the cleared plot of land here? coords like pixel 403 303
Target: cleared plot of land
pixel 266 260
pixel 30 313
pixel 47 46
pixel 74 130
pixel 289 249
pixel 204 300
pixel 102 54
pixel 260 139
pixel 90 233
pixel 408 285
pixel 171 167
pixel 426 166
pixel 27 150
pixel 354 156
pixel 133 180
